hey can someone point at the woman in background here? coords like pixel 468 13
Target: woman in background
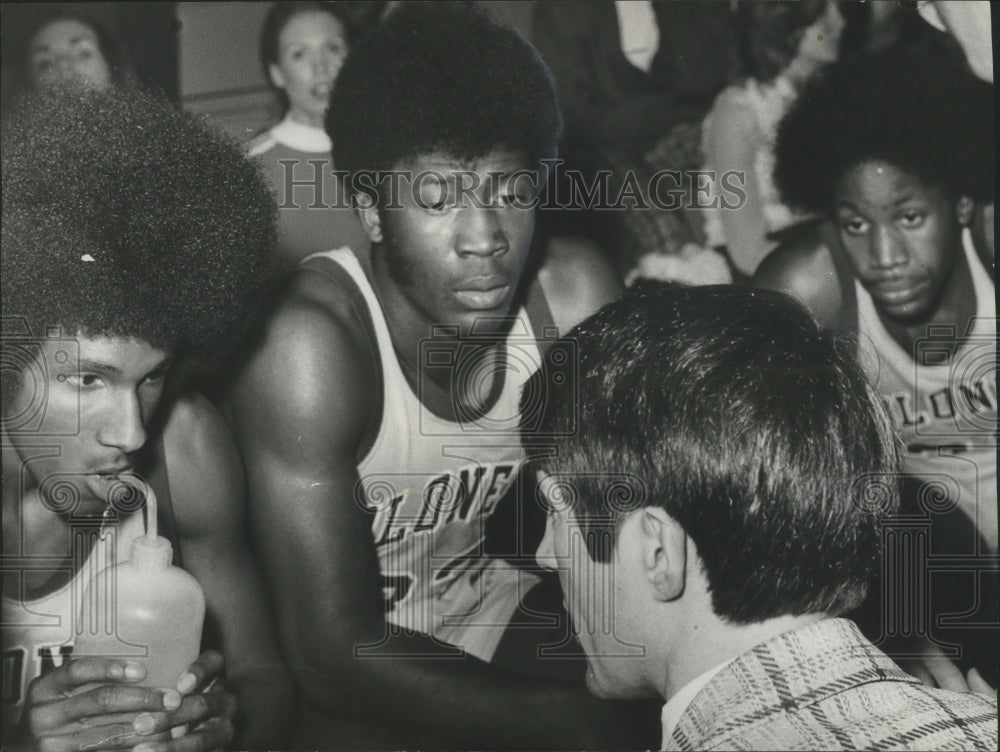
pixel 72 47
pixel 783 44
pixel 303 46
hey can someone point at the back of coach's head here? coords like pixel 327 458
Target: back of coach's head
pixel 758 433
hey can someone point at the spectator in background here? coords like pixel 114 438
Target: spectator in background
pixel 634 81
pixel 896 151
pixel 302 47
pixel 783 43
pixel 366 14
pixel 969 22
pixel 72 47
pixel 878 24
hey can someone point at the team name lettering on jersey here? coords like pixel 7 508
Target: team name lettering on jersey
pixel 951 403
pixel 448 497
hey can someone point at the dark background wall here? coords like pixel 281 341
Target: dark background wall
pixel 203 55
pixel 219 68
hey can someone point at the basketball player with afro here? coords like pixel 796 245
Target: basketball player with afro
pixel 376 460
pixel 896 152
pixel 134 244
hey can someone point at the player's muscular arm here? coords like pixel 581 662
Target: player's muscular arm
pixel 804 267
pixel 208 490
pixel 299 411
pixel 577 280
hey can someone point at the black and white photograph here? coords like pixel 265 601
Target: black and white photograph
pixel 540 375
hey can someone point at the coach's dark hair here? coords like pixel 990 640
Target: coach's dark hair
pixel 728 408
pixel 915 107
pixel 441 78
pixel 278 17
pixel 125 217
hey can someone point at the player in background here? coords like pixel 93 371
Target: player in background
pixel 896 151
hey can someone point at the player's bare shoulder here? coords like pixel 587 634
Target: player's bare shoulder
pixel 317 291
pixel 195 432
pixel 310 364
pixel 577 279
pixel 203 467
pixel 805 266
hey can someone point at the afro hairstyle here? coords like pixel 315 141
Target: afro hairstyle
pixel 125 217
pixel 437 77
pixel 917 109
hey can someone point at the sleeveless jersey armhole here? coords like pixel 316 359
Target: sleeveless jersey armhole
pixel 540 316
pixel 335 273
pixel 515 526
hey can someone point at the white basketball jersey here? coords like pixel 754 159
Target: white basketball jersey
pixel 39 635
pixel 431 485
pixel 945 413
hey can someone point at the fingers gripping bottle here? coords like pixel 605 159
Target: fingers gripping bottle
pixel 145 609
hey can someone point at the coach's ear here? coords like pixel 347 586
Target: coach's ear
pixel 664 553
pixel 371 220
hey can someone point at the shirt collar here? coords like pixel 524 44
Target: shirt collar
pixel 303 137
pixel 678 703
pixel 638 32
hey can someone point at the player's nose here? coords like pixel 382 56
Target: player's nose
pixel 886 249
pixel 123 426
pixel 480 232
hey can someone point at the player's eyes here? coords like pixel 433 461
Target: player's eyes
pixel 158 376
pixel 912 219
pixel 514 198
pixel 85 51
pixel 433 199
pixel 854 226
pixel 84 380
pixel 436 206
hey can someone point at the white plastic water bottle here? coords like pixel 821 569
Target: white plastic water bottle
pixel 150 611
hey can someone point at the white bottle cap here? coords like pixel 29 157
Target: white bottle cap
pixel 152 553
